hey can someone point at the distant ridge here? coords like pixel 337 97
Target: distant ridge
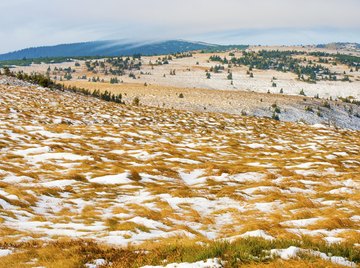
pixel 340 45
pixel 109 48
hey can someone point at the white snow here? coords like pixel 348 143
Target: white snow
pixel 16 179
pixel 149 223
pixel 257 233
pixel 341 153
pixel 5 205
pixel 36 150
pixel 351 183
pixel 116 140
pixel 331 157
pixel 112 179
pixel 293 252
pixel 256 145
pixel 193 177
pixel 57 156
pixel 300 223
pixel 96 263
pixel 5 252
pixel 355 218
pixel 342 190
pixel 49 134
pixel 333 240
pixel 8 196
pixel 248 177
pixel 58 183
pixel 308 182
pixel 318 126
pixel 266 207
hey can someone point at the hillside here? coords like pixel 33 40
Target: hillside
pixel 180 81
pixel 109 48
pixel 75 167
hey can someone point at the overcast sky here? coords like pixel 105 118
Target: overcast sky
pixel 26 23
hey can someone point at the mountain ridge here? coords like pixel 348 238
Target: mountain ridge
pixel 110 48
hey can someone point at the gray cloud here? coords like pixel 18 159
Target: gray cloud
pixel 30 23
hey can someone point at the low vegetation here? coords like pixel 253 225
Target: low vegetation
pixel 241 253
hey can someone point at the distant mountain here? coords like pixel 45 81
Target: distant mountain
pixel 339 45
pixel 110 48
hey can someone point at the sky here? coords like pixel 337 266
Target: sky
pixel 29 23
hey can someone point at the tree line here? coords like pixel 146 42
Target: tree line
pixel 44 81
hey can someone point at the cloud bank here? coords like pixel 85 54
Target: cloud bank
pixel 28 23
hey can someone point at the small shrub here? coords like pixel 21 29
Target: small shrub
pixel 136 101
pixel 326 104
pixel 309 109
pixel 135 176
pixel 275 116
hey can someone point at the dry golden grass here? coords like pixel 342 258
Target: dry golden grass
pixel 334 222
pixel 147 140
pixel 114 224
pixel 310 263
pixel 68 253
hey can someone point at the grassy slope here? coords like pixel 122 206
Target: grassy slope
pixel 285 160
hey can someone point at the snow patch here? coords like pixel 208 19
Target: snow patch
pixel 112 179
pixel 96 263
pixel 257 233
pixel 293 252
pixel 5 252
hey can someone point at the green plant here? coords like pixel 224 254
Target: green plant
pixel 326 104
pixel 136 101
pixel 275 116
pixel 309 109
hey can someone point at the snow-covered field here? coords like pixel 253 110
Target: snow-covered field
pixel 190 74
pixel 74 166
pixel 262 81
pixel 154 86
